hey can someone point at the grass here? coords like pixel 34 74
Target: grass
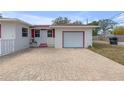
pixel 115 53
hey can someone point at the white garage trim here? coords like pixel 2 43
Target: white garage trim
pixel 83 38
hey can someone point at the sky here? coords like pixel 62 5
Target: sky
pixel 46 17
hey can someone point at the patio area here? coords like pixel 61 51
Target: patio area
pixel 59 64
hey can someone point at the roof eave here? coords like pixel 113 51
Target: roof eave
pixel 75 26
pixel 16 20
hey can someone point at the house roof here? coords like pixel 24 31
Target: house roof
pixel 61 26
pixel 14 20
pixel 41 27
pixel 69 25
pixel 74 25
pixel 48 26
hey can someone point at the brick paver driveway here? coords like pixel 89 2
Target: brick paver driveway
pixel 59 64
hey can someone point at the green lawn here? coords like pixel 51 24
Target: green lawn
pixel 115 53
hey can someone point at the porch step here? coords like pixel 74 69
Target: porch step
pixel 43 45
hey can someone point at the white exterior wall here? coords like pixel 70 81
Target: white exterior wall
pixel 6 46
pixel 8 30
pixel 88 38
pixel 58 36
pixel 11 37
pixel 21 42
pixel 50 41
pixel 7 40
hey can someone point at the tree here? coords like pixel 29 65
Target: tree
pixel 77 22
pixel 96 30
pixel 94 23
pixel 106 25
pixel 118 31
pixel 61 20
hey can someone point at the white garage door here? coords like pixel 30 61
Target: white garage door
pixel 73 39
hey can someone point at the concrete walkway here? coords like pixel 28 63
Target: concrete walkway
pixel 59 64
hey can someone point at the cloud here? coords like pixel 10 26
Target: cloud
pixel 120 18
pixel 36 19
pixel 33 19
pixel 75 16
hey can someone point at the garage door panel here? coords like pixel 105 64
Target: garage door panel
pixel 73 39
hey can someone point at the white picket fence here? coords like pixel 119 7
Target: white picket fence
pixel 6 46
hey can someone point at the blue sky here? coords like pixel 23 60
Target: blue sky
pixel 45 17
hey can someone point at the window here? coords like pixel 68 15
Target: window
pixel 37 33
pixel 24 32
pixel 49 33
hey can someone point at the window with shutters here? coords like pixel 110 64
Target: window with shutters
pixel 37 33
pixel 49 33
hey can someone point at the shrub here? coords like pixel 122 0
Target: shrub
pixel 118 31
pixel 89 46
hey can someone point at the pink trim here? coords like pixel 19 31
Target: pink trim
pixel 43 45
pixel 74 32
pixel 33 33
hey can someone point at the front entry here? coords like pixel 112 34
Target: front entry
pixel 41 37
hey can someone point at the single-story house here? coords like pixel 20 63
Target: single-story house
pixel 16 35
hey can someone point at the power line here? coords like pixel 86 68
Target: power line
pixel 117 15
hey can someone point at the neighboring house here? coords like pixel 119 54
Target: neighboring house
pixel 16 35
